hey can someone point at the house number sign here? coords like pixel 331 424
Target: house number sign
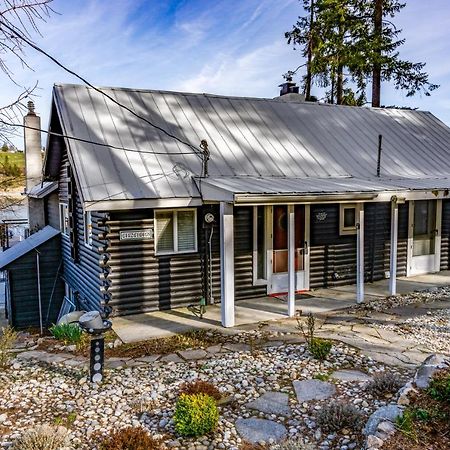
pixel 136 235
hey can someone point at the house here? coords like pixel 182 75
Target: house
pixel 172 197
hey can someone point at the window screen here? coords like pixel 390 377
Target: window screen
pixel 164 229
pixel 186 231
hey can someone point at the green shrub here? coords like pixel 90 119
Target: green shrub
pixel 43 437
pixel 131 438
pixel 440 387
pixel 195 415
pixel 338 415
pixel 7 339
pixel 320 348
pixel 69 333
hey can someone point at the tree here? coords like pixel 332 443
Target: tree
pixel 356 36
pixel 5 147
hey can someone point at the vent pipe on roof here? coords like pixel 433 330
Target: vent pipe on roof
pixel 380 141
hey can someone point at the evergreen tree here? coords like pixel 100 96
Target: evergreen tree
pixel 5 147
pixel 358 37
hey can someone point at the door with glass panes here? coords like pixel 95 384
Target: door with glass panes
pixel 424 236
pixel 278 282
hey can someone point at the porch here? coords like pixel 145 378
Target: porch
pixel 252 311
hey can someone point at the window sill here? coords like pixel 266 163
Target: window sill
pixel 187 252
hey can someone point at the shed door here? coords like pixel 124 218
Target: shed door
pixel 279 279
pixel 424 236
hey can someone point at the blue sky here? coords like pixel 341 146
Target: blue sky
pixel 232 47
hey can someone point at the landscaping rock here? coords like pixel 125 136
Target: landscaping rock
pixel 426 371
pixel 272 403
pixel 257 430
pixel 385 413
pixel 350 375
pixel 193 354
pixel 307 390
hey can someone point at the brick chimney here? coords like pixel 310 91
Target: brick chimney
pixel 33 167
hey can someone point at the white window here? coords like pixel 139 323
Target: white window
pixel 88 228
pixel 175 231
pixel 259 245
pixel 64 218
pixel 348 217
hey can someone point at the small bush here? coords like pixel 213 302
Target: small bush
pixel 131 438
pixel 440 387
pixel 200 387
pixel 337 415
pixel 322 376
pixel 195 415
pixel 320 348
pixel 43 437
pixel 7 339
pixel 384 383
pixel 69 333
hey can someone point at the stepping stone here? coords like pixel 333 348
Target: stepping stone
pixel 385 413
pixel 272 403
pixel 350 375
pixel 256 430
pixel 307 390
pixel 237 347
pixel 171 357
pixel 192 355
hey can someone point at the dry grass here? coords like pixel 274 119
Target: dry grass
pixel 7 339
pixel 43 437
pixel 163 346
pixel 131 438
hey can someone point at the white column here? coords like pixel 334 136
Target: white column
pixel 227 264
pixel 360 255
pixel 291 261
pixel 394 240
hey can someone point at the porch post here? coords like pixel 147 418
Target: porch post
pixel 360 255
pixel 393 255
pixel 291 261
pixel 226 264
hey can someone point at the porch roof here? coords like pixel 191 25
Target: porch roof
pixel 236 189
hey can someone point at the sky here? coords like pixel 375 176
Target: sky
pixel 229 47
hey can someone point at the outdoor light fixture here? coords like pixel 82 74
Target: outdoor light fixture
pixel 93 324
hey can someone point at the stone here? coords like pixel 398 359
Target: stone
pixel 237 347
pixel 307 390
pixel 374 442
pixel 385 413
pixel 272 403
pixel 190 355
pixel 257 430
pixel 427 369
pixel 350 375
pixel 149 358
pixel 172 357
pixel 404 392
pixel 386 427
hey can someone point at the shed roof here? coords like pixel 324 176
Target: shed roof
pixel 31 243
pixel 268 140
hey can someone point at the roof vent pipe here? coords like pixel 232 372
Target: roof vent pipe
pixel 380 141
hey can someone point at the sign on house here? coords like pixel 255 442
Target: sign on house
pixel 136 235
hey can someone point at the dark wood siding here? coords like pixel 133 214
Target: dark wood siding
pixel 23 286
pixel 82 274
pixel 52 210
pixel 333 257
pixel 445 235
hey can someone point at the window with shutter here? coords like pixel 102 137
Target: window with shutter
pixel 175 231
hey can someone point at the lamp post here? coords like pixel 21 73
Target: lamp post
pixel 93 324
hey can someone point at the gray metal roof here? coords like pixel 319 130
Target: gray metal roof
pixel 43 189
pixel 322 147
pixel 27 245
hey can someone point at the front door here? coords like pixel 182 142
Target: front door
pixel 279 278
pixel 424 236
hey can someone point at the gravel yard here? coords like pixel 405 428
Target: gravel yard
pixel 31 394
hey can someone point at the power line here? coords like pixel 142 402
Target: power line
pixel 87 141
pixel 13 30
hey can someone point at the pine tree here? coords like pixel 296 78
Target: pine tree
pixel 357 37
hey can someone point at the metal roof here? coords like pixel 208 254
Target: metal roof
pixel 31 243
pixel 43 189
pixel 267 142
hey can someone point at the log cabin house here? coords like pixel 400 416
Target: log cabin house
pixel 269 196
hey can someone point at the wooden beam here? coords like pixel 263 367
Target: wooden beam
pixel 227 264
pixel 393 255
pixel 291 261
pixel 360 256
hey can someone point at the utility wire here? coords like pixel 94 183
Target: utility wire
pixel 19 35
pixel 73 138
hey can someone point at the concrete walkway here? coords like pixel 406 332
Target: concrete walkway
pixel 322 303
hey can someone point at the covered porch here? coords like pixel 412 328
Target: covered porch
pixel 252 311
